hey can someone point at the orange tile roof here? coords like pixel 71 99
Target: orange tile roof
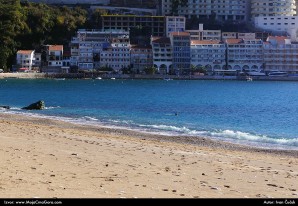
pixel 55 47
pixel 180 33
pixel 25 51
pixel 195 42
pixel 233 41
pixel 279 39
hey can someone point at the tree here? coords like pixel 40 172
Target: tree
pixel 11 25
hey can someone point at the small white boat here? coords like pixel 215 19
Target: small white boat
pixel 277 74
pixel 60 79
pixel 256 73
pixel 98 78
pixel 167 79
pixel 113 78
pixel 249 79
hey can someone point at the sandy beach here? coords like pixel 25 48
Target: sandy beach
pixel 46 158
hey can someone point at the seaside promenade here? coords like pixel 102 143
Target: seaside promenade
pixel 139 76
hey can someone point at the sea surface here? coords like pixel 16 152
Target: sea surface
pixel 257 113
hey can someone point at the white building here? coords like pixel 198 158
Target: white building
pixel 244 54
pixel 280 24
pixel 55 55
pixel 202 34
pixel 162 54
pixel 237 10
pixel 281 54
pixel 25 59
pixel 174 24
pixel 87 46
pixel 208 54
pixel 261 8
pixel 116 56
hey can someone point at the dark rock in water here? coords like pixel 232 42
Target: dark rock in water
pixel 5 107
pixel 36 106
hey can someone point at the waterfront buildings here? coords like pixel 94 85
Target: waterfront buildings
pixel 222 10
pixel 25 59
pixel 117 54
pixel 87 45
pixel 162 54
pixel 244 54
pixel 208 54
pixel 141 58
pixel 280 53
pixel 54 59
pixel 180 42
pixel 269 8
pixel 279 24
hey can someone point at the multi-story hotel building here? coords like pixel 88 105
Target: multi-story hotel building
pixel 181 51
pixel 87 46
pixel 223 10
pixel 155 24
pixel 243 54
pixel 279 24
pixel 162 54
pixel 25 59
pixel 208 54
pixel 141 58
pixel 281 54
pixel 272 8
pixel 117 55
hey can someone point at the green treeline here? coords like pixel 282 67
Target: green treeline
pixel 30 25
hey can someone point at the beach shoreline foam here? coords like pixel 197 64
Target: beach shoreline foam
pixel 51 158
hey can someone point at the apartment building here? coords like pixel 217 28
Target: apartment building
pixel 180 42
pixel 162 54
pixel 208 54
pixel 279 24
pixel 260 8
pixel 25 59
pixel 87 45
pixel 222 10
pixel 243 54
pixel 141 57
pixel 281 54
pixel 117 55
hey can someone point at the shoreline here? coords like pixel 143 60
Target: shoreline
pixel 136 133
pixel 139 77
pixel 49 158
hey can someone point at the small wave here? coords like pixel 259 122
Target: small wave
pixel 90 118
pixel 238 135
pixel 54 107
pixel 227 135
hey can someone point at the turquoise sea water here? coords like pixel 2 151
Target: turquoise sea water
pixel 263 114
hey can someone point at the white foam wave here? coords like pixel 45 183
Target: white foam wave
pixel 90 118
pixel 228 135
pixel 55 107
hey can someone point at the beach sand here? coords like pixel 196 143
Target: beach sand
pixel 46 158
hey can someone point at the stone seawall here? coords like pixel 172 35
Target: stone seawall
pixel 139 76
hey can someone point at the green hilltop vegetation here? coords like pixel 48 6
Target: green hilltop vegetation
pixel 30 25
